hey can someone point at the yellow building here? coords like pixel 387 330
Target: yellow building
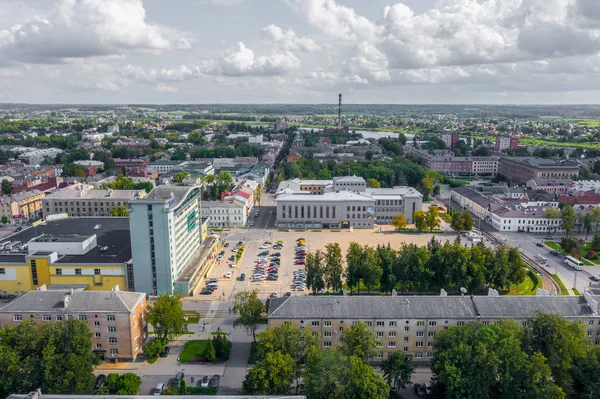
pixel 27 204
pixel 91 252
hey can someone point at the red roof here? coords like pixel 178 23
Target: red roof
pixel 243 194
pixel 583 200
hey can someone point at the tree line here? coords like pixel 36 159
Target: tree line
pixel 412 268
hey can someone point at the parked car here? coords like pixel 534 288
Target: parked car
pixel 226 244
pixel 228 275
pixel 554 252
pixel 595 278
pixel 214 382
pixel 165 352
pixel 241 277
pixel 299 262
pixel 206 292
pixel 428 387
pixel 276 254
pixel 99 381
pixel 272 278
pixel 204 381
pixel 213 279
pixel 159 389
pixel 177 380
pixel 419 390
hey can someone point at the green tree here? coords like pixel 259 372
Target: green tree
pixel 167 317
pixel 249 308
pixel 4 219
pixel 457 221
pixel 595 245
pixel 210 354
pixel 73 170
pixel 222 346
pixel 54 357
pixel 180 176
pixel 373 183
pixel 399 222
pixel 427 186
pixel 122 211
pixel 354 265
pixel 128 384
pixel 290 340
pixel 359 341
pixel 419 220
pixel 371 267
pixel 273 375
pixel 315 270
pixel 397 370
pixel 183 387
pixel 7 187
pixel 516 270
pixel 258 193
pixel 467 221
pixel 568 219
pixel 588 224
pixel 333 266
pixel 432 219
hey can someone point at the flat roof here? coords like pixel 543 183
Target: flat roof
pixel 342 195
pixel 113 232
pixel 163 194
pixel 73 194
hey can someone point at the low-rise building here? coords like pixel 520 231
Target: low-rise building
pixel 410 323
pixel 553 186
pixel 116 319
pixel 37 156
pixel 165 166
pixel 83 201
pixel 521 169
pixel 232 211
pixel 27 205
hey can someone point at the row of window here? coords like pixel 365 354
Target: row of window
pixel 391 323
pixel 113 351
pixel 389 202
pixel 59 317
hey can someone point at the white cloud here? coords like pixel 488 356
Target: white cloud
pixel 87 28
pixel 287 40
pixel 241 61
pixel 163 88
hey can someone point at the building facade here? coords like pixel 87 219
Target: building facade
pixel 504 142
pixel 521 169
pixel 84 201
pixel 116 319
pixel 231 212
pixel 410 323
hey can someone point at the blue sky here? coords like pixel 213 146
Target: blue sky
pixel 300 51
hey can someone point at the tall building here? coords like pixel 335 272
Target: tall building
pixel 450 139
pixel 504 142
pixel 167 240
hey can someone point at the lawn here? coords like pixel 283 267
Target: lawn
pixel 586 248
pixel 576 292
pixel 193 350
pixel 560 283
pixel 192 317
pixel 529 286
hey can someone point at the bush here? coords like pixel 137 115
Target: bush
pixel 222 346
pixel 591 255
pixel 210 353
pixel 154 348
pixel 239 253
pixel 568 244
pixel 126 384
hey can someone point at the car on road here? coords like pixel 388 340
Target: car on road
pixel 228 275
pixel 595 278
pixel 204 381
pixel 554 252
pixel 214 382
pixel 158 390
pixel 539 244
pixel 241 277
pixel 165 352
pixel 177 380
pixel 99 381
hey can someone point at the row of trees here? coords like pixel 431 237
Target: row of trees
pixel 576 222
pixel 288 353
pixel 550 357
pixel 461 221
pixel 413 268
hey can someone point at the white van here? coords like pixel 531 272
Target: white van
pixel 159 389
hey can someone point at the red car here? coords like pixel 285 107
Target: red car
pixel 270 269
pixel 299 262
pixel 301 254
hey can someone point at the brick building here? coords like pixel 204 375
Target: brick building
pixel 521 169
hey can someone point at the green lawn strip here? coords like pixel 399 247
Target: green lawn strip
pixel 576 292
pixel 192 317
pixel 152 360
pixel 586 248
pixel 560 283
pixel 553 245
pixel 529 286
pixel 193 350
pixel 200 391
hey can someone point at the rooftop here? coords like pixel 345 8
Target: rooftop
pixel 112 232
pixel 163 194
pixel 73 192
pixel 440 307
pixel 537 161
pixel 80 301
pixel 331 196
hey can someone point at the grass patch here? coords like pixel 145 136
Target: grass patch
pixel 529 286
pixel 575 291
pixel 362 287
pixel 253 356
pixel 336 231
pixel 192 317
pixel 586 249
pixel 152 360
pixel 300 231
pixel 193 350
pixel 553 245
pixel 200 391
pixel 316 231
pixel 560 284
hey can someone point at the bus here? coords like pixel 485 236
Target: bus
pixel 541 259
pixel 574 263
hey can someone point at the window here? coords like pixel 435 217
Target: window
pixel 380 334
pixel 406 329
pixel 314 323
pixel 405 349
pixel 59 317
pixel 392 324
pixel 369 323
pixel 58 271
pixel 420 333
pixel 432 323
pixel 486 323
pixel 431 333
pixel 429 344
pixel 419 354
pixel 96 324
pixel 98 346
pixel 392 334
pixel 97 335
pixel 327 333
pixel 97 272
pixel 114 351
pixel 380 324
pixel 112 329
pixel 46 317
pixel 70 317
pixel 405 339
pixel 327 323
pixel 78 272
pixel 419 344
pixel 17 317
pixel 420 323
pixel 110 317
pixel 429 355
pixel 391 344
pixel 81 317
pixel 315 334
pixel 2 271
pixel 112 340
pixel 460 323
pixel 590 323
pixel 327 344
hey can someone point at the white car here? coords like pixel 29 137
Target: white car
pixel 228 275
pixel 265 246
pixel 232 265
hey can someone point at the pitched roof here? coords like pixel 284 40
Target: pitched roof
pixel 80 301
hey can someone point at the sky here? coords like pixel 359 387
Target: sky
pixel 300 51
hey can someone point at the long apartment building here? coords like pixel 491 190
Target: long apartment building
pixel 410 323
pixel 340 203
pixel 81 200
pixel 519 170
pixel 458 166
pixel 116 319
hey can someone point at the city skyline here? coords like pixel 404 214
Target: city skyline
pixel 300 51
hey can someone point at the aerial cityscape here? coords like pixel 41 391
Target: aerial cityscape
pixel 299 199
